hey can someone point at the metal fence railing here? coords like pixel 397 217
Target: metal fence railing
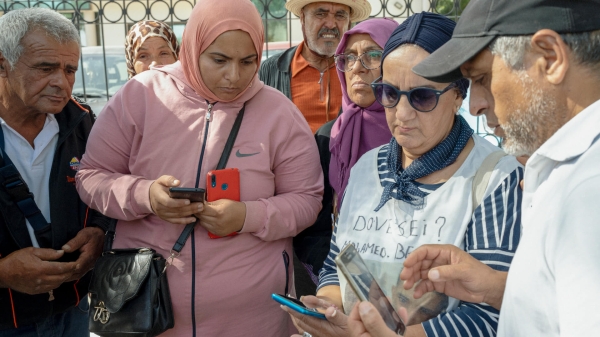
pixel 104 24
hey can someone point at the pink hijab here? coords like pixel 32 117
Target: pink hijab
pixel 358 129
pixel 209 19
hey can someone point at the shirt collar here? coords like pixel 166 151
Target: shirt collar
pixel 298 62
pixel 575 137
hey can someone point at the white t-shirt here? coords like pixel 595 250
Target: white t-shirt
pixel 554 281
pixel 384 238
pixel 34 164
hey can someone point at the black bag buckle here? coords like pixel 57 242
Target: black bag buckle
pixel 17 188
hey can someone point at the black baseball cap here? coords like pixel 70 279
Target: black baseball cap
pixel 484 20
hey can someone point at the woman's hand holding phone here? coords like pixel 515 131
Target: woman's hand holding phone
pixel 223 216
pixel 336 324
pixel 176 211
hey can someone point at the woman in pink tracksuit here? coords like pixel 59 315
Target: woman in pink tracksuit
pixel 167 127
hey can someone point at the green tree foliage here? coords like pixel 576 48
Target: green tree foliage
pixel 450 7
pixel 274 18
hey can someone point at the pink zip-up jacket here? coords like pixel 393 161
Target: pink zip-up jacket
pixel 155 126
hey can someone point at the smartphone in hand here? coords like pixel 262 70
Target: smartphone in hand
pixel 297 306
pixel 223 184
pixel 366 287
pixel 193 194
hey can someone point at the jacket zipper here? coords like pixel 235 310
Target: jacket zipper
pixel 206 125
pixel 321 94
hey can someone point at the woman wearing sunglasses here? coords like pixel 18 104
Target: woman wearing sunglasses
pixel 418 189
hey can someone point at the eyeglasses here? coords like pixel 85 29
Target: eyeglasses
pixel 370 60
pixel 422 99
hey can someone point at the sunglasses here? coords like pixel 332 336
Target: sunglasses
pixel 370 60
pixel 421 99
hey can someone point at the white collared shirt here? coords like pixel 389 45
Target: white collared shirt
pixel 34 164
pixel 554 282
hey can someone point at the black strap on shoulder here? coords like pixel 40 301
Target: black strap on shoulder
pixel 231 139
pixel 187 231
pixel 15 186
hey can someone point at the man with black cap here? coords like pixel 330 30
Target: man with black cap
pixel 540 61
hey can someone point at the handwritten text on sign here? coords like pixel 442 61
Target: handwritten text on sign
pixel 399 228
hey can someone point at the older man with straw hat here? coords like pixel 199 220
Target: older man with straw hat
pixel 306 73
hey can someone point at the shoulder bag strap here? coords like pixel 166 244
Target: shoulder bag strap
pixel 483 175
pixel 231 139
pixel 15 186
pixel 185 234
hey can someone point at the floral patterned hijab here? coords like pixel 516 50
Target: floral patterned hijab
pixel 140 32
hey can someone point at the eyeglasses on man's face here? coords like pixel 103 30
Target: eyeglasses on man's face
pixel 370 60
pixel 421 99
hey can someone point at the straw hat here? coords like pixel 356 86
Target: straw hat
pixel 361 9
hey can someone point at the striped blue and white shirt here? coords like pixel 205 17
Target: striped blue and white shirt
pixel 491 236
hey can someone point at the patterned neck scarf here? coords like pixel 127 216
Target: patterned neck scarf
pixel 140 32
pixel 400 184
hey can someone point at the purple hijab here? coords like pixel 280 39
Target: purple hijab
pixel 358 129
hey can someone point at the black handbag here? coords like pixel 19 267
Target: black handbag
pixel 130 294
pixel 129 291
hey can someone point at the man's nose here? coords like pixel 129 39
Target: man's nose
pixel 477 103
pixel 329 21
pixel 59 79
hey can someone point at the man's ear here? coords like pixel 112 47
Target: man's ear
pixel 4 66
pixel 553 60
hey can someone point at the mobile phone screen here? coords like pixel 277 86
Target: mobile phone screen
pixel 366 288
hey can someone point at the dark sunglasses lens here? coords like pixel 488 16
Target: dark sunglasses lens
pixel 389 96
pixel 423 99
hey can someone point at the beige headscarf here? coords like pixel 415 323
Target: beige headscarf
pixel 142 31
pixel 209 19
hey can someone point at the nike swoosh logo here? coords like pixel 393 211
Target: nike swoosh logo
pixel 242 155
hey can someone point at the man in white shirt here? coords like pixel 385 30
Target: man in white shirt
pixel 540 61
pixel 49 239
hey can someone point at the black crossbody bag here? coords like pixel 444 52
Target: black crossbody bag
pixel 129 289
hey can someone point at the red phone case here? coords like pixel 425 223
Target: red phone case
pixel 223 184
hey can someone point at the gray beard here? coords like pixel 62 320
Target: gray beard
pixel 527 129
pixel 328 50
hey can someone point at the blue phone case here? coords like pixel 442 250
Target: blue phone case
pixel 303 310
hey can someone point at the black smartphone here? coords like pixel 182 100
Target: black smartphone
pixel 193 194
pixel 297 305
pixel 366 287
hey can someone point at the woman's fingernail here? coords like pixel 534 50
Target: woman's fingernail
pixel 175 182
pixel 434 275
pixel 334 313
